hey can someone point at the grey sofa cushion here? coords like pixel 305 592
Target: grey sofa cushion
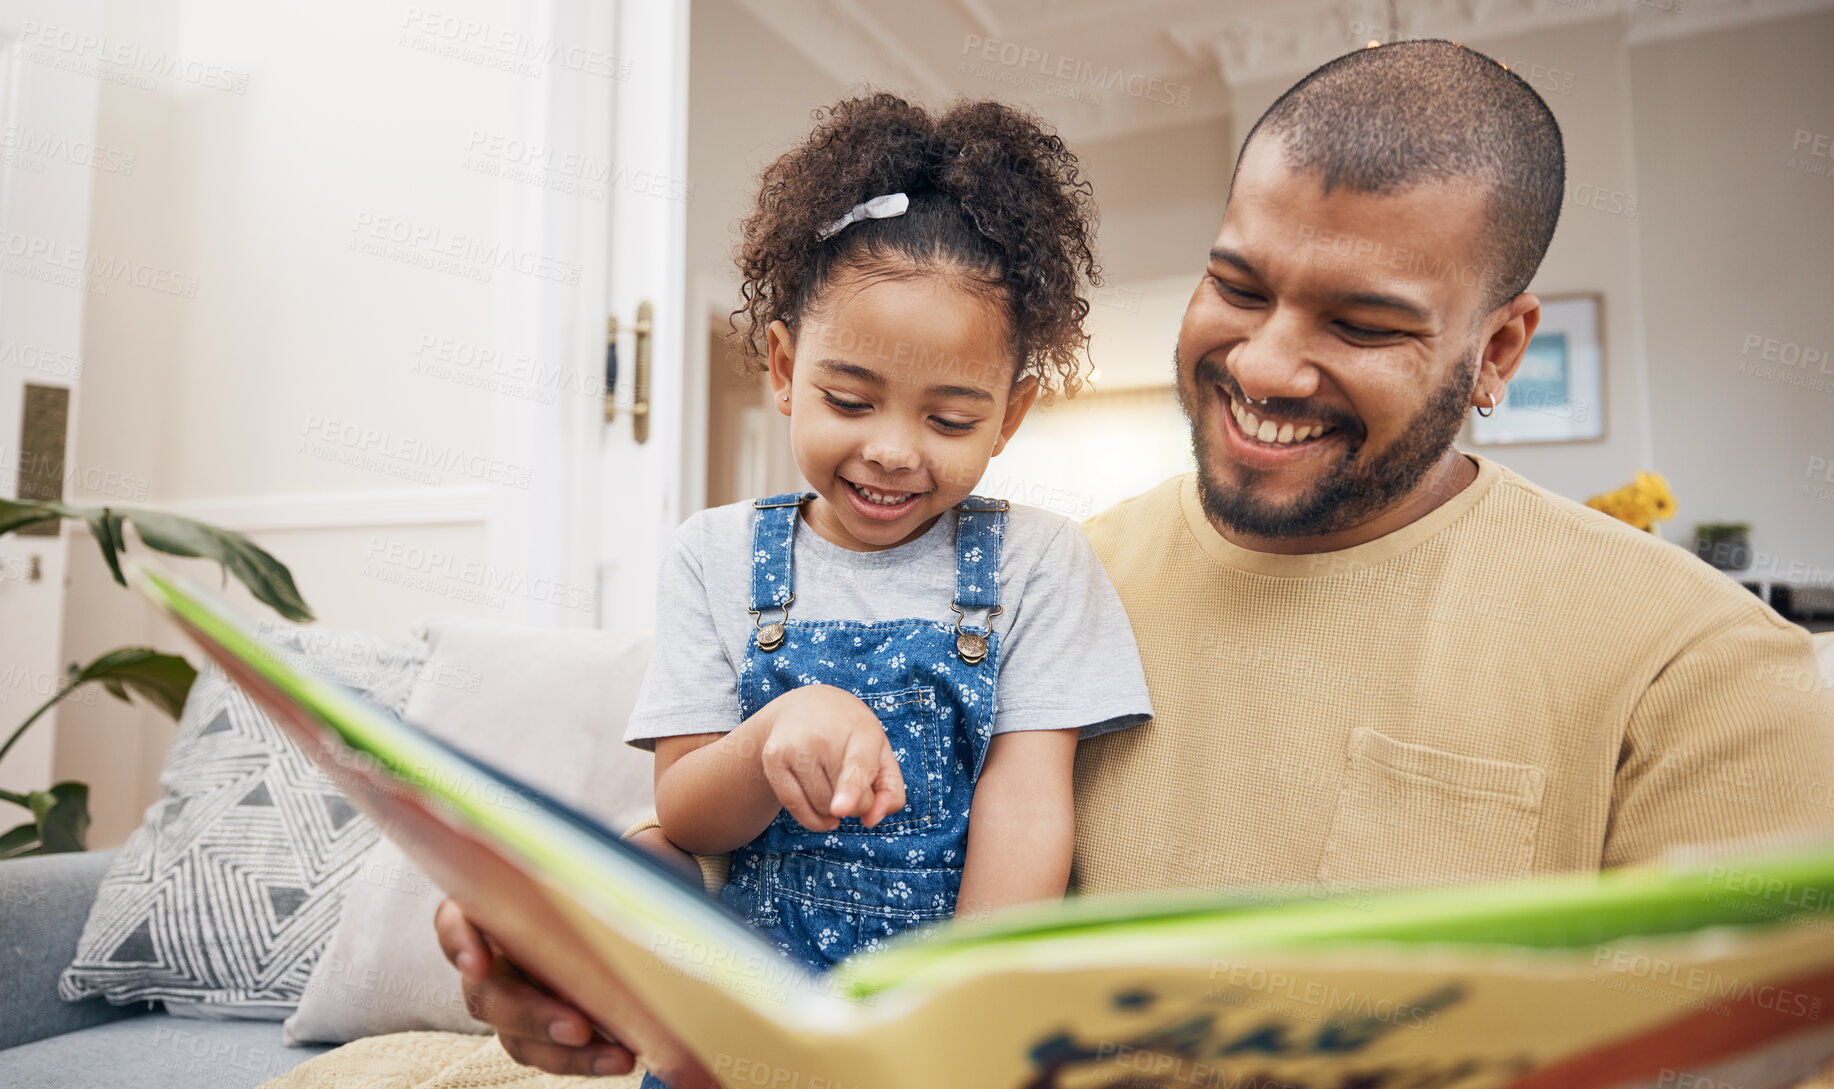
pixel 222 900
pixel 155 1052
pixel 43 902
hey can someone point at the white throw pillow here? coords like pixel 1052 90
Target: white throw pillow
pixel 546 705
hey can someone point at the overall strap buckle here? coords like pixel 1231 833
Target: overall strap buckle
pixel 770 636
pixel 980 527
pixel 971 646
pixel 773 545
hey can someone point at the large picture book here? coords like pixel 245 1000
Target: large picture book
pixel 1696 974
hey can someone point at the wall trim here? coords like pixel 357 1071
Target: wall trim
pixel 467 504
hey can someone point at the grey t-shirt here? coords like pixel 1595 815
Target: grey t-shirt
pixel 1067 653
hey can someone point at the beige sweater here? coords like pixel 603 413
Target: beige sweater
pixel 1512 685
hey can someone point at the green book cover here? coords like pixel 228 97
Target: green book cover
pixel 1690 976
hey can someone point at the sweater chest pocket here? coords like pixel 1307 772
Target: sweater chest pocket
pixel 1416 815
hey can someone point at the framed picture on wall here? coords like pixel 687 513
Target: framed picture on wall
pixel 1558 394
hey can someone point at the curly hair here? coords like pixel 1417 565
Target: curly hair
pixel 995 198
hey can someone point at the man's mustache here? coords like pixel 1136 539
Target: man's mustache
pixel 1210 372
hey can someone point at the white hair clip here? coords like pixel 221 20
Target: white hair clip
pixel 885 207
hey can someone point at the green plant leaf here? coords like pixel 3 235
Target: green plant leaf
pixel 105 527
pixel 266 577
pixel 20 513
pixel 20 841
pixel 163 680
pixel 63 817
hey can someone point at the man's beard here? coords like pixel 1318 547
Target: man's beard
pixel 1347 493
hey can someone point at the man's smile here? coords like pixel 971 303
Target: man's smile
pixel 1273 430
pixel 1256 438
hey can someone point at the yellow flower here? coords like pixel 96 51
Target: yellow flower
pixel 1641 503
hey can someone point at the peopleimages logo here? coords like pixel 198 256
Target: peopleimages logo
pixel 27 145
pixel 45 258
pixel 503 48
pixel 47 361
pixel 424 244
pixel 102 57
pixel 416 458
pixel 1070 70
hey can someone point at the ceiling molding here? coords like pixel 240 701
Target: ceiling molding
pixel 1288 38
pixel 1096 69
pixel 1705 16
pixel 1070 64
pixel 839 38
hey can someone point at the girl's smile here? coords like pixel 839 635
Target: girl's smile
pixel 899 389
pixel 886 504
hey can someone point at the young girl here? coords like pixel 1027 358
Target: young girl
pixel 841 676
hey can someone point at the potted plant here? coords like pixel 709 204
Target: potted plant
pixel 1725 545
pixel 60 814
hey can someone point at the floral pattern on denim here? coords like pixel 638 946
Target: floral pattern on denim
pixel 822 896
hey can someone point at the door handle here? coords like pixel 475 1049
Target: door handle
pixel 640 380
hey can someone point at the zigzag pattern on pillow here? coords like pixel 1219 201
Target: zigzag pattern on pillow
pixel 223 899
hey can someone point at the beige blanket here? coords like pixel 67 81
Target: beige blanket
pixel 451 1060
pixel 430 1060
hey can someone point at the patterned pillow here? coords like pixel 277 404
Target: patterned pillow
pixel 224 897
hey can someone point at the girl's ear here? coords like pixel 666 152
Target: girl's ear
pixel 782 350
pixel 1018 403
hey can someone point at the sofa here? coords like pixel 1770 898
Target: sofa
pixel 46 1041
pixel 341 945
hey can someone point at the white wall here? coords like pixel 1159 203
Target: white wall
pixel 749 100
pixel 1738 263
pixel 1161 195
pixel 301 393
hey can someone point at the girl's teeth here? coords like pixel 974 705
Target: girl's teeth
pixel 881 498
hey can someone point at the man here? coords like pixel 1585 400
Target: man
pixel 1374 658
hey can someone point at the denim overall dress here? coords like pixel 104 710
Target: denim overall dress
pixel 821 896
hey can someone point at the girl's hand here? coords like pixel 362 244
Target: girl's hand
pixel 827 758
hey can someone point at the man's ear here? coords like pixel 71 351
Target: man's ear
pixel 782 361
pixel 1018 403
pixel 1503 350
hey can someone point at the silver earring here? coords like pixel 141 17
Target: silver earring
pixel 1486 414
pixel 786 397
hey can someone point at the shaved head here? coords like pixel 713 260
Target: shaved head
pixel 1392 117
